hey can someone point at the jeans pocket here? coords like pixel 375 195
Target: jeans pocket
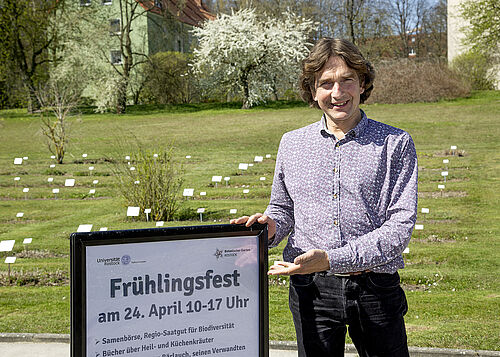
pixel 302 280
pixel 383 282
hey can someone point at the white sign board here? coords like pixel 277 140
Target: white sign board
pixel 84 228
pixel 10 260
pixel 203 193
pixel 69 182
pixel 165 307
pixel 419 227
pixel 233 211
pixel 243 166
pixel 103 229
pixel 188 192
pixel 133 211
pixel 26 190
pixel 268 156
pixel 216 178
pixel 55 190
pixel 19 214
pixel 446 161
pixel 18 161
pixel 425 210
pixel 200 210
pixel 147 210
pixel 50 179
pixel 7 245
pixel 27 240
pixel 258 158
pixel 444 173
pixel 453 147
pixel 441 187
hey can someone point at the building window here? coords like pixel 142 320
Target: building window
pixel 107 2
pixel 85 2
pixel 116 57
pixel 179 45
pixel 114 26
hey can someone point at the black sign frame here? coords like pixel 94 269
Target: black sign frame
pixel 79 241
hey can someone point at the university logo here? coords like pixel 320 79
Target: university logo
pixel 126 259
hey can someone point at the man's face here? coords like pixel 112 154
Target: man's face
pixel 337 91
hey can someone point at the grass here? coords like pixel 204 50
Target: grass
pixel 451 278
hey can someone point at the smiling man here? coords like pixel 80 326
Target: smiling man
pixel 345 195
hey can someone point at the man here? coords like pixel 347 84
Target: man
pixel 345 191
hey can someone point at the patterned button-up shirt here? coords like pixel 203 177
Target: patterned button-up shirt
pixel 355 198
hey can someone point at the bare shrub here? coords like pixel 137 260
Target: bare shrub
pixel 58 99
pixel 151 180
pixel 409 81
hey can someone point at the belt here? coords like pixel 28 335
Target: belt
pixel 347 275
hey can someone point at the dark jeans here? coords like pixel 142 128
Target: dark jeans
pixel 372 305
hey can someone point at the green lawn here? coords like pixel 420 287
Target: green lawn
pixel 452 269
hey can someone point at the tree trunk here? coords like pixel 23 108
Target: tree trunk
pixel 33 102
pixel 121 100
pixel 246 91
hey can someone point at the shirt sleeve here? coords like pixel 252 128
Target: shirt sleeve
pixel 388 241
pixel 280 207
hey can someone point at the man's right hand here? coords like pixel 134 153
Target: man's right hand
pixel 260 218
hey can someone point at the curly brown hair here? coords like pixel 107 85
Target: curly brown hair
pixel 319 55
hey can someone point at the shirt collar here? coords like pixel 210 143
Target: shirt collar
pixel 356 131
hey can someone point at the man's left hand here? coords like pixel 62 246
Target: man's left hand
pixel 312 261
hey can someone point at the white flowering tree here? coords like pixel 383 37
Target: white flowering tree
pixel 249 54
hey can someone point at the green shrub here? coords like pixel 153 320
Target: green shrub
pixel 153 183
pixel 475 69
pixel 409 81
pixel 187 214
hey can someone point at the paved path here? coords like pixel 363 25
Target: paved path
pixel 35 345
pixel 56 349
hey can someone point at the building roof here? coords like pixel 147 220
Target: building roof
pixel 191 12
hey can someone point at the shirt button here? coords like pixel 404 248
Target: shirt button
pixel 335 169
pixel 337 145
pixel 335 222
pixel 334 196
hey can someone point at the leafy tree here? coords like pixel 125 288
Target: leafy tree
pixel 249 55
pixel 483 33
pixel 168 79
pixel 100 52
pixel 28 36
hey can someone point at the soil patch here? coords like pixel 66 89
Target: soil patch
pixel 442 194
